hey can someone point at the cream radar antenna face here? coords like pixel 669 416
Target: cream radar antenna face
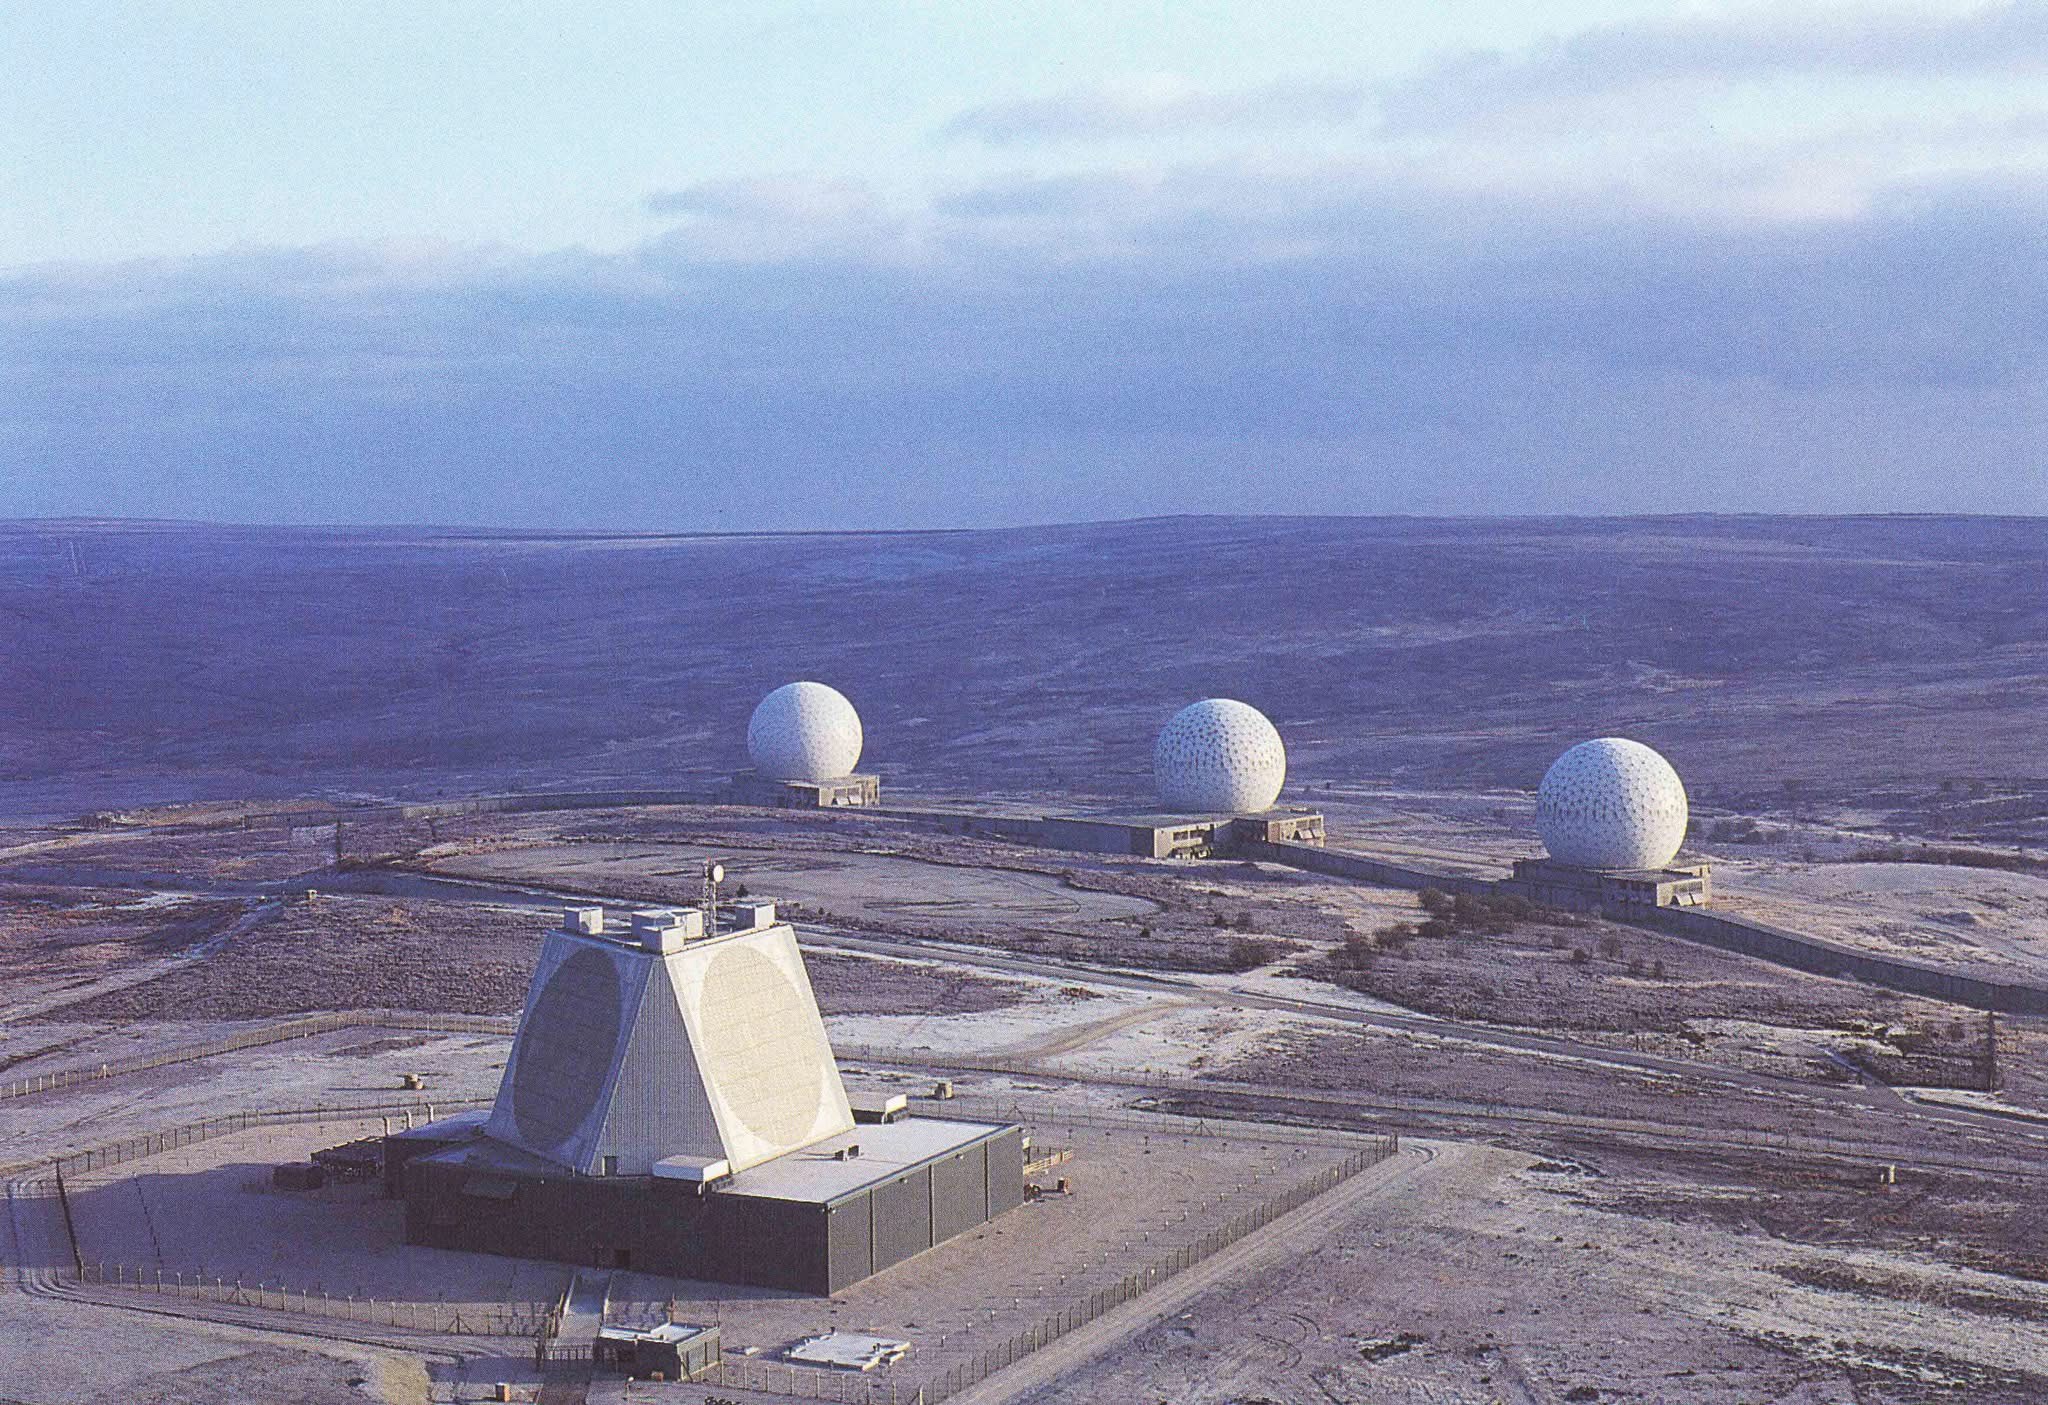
pixel 1611 803
pixel 804 732
pixel 1219 756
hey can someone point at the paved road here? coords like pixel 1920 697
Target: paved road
pixel 1882 1104
pixel 1879 1101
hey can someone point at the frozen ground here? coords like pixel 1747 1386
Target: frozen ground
pixel 179 662
pixel 848 885
pixel 1475 1276
pixel 332 1070
pixel 1713 1273
pixel 1984 920
pixel 1143 1187
pixel 210 1209
pixel 1503 1277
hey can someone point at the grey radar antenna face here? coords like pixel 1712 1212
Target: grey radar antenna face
pixel 1611 803
pixel 1219 756
pixel 804 732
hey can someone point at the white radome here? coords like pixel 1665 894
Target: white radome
pixel 1611 803
pixel 804 732
pixel 1219 756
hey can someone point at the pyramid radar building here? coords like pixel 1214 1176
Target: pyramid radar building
pixel 671 1104
pixel 667 1047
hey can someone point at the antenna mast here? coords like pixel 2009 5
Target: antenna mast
pixel 714 874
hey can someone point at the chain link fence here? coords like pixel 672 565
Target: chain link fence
pixel 460 1319
pixel 471 1319
pixel 989 1360
pixel 540 1322
pixel 790 1379
pixel 810 1382
pixel 306 1028
pixel 153 1143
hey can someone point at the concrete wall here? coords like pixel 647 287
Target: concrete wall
pixel 1760 939
pixel 1711 926
pixel 850 1236
pixel 959 1192
pixel 1339 864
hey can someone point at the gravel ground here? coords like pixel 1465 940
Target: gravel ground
pixel 357 953
pixel 1499 1281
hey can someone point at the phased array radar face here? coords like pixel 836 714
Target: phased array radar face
pixel 804 732
pixel 566 1049
pixel 1219 756
pixel 1611 803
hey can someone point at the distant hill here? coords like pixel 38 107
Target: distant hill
pixel 156 661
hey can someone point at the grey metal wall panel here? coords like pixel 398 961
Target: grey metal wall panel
pixel 780 1244
pixel 849 1235
pixel 666 1227
pixel 903 1218
pixel 1005 1171
pixel 959 1192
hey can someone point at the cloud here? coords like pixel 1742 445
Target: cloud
pixel 1206 339
pixel 1155 105
pixel 773 219
pixel 1486 86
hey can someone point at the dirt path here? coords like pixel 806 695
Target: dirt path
pixel 1066 1041
pixel 1418 1165
pixel 72 841
pixel 145 972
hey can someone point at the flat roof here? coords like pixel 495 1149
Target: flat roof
pixel 887 1149
pixel 670 1332
pixel 810 1176
pixel 855 1351
pixel 620 935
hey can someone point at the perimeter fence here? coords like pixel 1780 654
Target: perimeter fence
pixel 305 1028
pixel 811 1382
pixel 460 1319
pixel 154 1143
pixel 472 1319
pixel 790 1379
pixel 540 1322
pixel 99 1158
pixel 1136 1284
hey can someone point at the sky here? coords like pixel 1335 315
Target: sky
pixel 875 265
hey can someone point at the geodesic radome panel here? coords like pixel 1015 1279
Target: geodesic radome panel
pixel 1219 756
pixel 804 732
pixel 1611 803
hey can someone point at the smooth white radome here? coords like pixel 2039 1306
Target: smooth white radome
pixel 804 732
pixel 1219 756
pixel 1611 803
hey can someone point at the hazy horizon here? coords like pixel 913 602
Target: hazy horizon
pixel 653 530
pixel 829 265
